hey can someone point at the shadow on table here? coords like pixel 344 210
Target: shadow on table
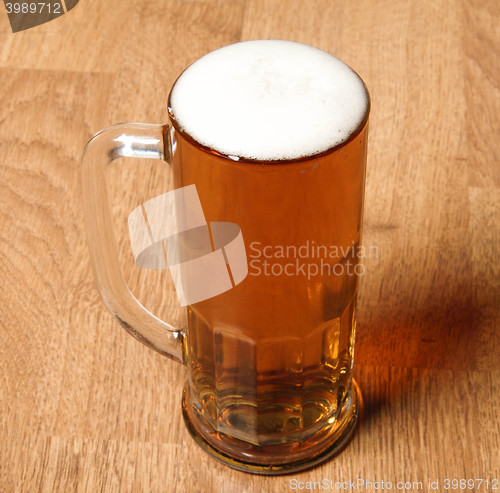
pixel 421 328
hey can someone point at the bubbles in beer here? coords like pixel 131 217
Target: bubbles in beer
pixel 269 100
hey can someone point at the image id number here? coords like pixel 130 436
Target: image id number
pixel 470 484
pixel 33 8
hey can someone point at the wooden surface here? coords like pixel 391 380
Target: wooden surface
pixel 85 407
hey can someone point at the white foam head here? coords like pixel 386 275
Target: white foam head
pixel 269 100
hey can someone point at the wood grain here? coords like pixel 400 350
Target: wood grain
pixel 85 407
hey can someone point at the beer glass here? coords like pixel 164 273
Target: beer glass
pixel 266 141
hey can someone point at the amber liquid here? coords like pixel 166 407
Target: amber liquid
pixel 270 360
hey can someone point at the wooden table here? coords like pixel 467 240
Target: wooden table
pixel 85 407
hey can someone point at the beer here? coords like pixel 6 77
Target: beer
pixel 273 134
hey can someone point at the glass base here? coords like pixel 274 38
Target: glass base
pixel 280 458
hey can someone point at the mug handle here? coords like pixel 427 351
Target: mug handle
pixel 138 140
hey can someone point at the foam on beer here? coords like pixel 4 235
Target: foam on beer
pixel 269 100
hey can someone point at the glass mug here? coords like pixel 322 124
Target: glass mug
pixel 270 137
